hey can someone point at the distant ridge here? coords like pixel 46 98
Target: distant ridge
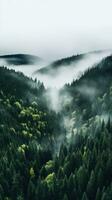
pixel 67 61
pixel 58 63
pixel 20 59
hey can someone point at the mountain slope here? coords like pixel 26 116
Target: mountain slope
pixel 89 96
pixel 68 69
pixel 53 67
pixel 17 84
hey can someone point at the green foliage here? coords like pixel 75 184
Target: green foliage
pixel 32 173
pixel 50 179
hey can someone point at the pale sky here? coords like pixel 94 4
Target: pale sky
pixel 55 28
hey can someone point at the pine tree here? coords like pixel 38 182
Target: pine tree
pixel 104 196
pixel 65 197
pixel 31 189
pixel 91 187
pixel 82 178
pixel 100 178
pixel 98 194
pixel 84 197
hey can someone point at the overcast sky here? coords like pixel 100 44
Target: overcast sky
pixel 55 28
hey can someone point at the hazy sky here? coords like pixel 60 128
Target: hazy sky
pixel 55 28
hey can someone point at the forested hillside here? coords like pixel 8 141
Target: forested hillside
pixel 64 155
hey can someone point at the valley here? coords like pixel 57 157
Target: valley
pixel 56 136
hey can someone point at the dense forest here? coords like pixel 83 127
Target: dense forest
pixel 49 155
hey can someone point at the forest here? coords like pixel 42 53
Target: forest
pixel 49 155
